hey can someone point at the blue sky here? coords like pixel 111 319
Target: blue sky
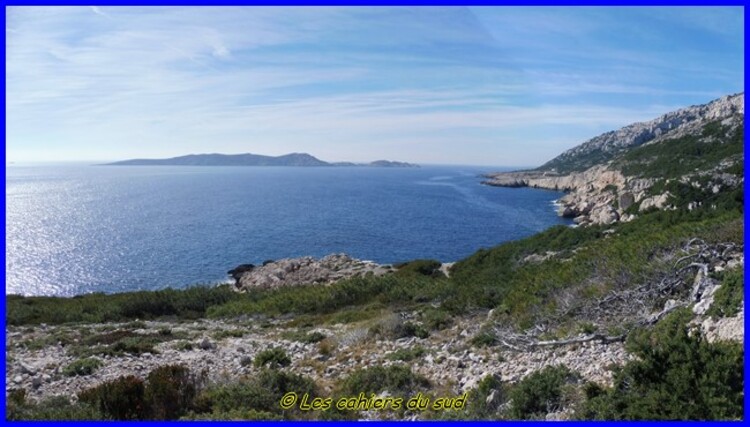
pixel 511 86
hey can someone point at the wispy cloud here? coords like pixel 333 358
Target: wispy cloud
pixel 351 83
pixel 98 11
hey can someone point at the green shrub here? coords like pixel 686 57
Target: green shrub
pixel 393 327
pixel 304 337
pixel 483 402
pixel 170 391
pixel 123 341
pixel 677 375
pixel 134 345
pixel 259 395
pixel 119 399
pixel 183 345
pixel 313 337
pixel 423 267
pixel 587 328
pixel 728 298
pixel 541 392
pixel 189 303
pixel 436 319
pixel 57 408
pixel 407 354
pixel 273 357
pixel 484 339
pixel 82 367
pixel 399 380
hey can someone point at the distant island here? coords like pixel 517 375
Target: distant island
pixel 248 159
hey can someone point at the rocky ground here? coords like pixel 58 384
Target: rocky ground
pixel 225 351
pixel 448 357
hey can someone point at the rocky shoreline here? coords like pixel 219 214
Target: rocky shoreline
pixel 596 196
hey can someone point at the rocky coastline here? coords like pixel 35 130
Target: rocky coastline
pixel 598 192
pixel 596 196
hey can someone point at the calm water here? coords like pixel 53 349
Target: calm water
pixel 77 228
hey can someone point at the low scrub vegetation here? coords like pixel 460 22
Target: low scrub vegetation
pixel 679 156
pixel 82 367
pixel 728 299
pixel 273 358
pixel 397 380
pixel 190 303
pixel 678 376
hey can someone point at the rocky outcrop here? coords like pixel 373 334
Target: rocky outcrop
pixel 658 202
pixel 725 328
pixel 592 194
pixel 303 271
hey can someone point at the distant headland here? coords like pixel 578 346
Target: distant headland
pixel 214 159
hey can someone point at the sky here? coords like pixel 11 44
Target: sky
pixel 501 86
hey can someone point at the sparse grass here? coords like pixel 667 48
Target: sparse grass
pixel 407 354
pixel 303 337
pixel 64 338
pixel 327 346
pixel 122 341
pixel 183 345
pixel 82 367
pixel 228 333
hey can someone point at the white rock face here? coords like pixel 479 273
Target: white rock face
pixel 589 199
pixel 725 329
pixel 658 202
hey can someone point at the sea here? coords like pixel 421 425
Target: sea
pixel 79 228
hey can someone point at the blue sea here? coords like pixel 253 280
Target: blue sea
pixel 73 229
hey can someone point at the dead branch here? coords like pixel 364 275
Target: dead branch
pixel 595 337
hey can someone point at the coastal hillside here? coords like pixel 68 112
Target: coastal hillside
pixel 687 121
pixel 635 314
pixel 293 159
pixel 680 160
